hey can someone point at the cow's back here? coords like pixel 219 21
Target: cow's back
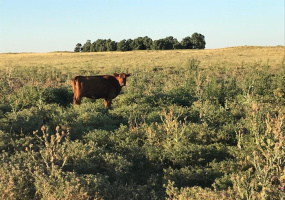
pixel 96 86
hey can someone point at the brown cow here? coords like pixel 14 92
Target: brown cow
pixel 105 87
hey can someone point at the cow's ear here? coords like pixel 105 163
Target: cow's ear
pixel 129 74
pixel 116 75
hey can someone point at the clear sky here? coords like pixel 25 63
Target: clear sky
pixel 58 25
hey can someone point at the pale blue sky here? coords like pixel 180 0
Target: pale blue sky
pixel 58 25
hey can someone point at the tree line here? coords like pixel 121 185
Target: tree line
pixel 196 41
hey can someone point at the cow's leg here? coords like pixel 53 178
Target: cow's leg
pixel 76 100
pixel 107 103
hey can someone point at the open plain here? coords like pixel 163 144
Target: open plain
pixel 190 124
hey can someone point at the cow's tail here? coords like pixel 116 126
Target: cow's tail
pixel 76 93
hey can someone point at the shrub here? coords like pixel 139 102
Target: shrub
pixel 62 96
pixel 25 97
pixel 5 141
pixel 191 176
pixel 265 177
pixel 24 122
pixel 197 193
pixel 16 181
pixel 212 113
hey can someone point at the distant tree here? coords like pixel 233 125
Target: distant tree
pixel 111 45
pixel 138 44
pixel 172 43
pixel 92 47
pixel 128 44
pixel 166 43
pixel 86 46
pixel 158 44
pixel 176 44
pixel 100 45
pixel 186 43
pixel 198 41
pixel 121 46
pixel 78 47
pixel 147 42
pixel 103 45
pixel 124 45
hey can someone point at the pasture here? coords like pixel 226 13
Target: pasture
pixel 190 124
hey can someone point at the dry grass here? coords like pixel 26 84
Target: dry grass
pixel 109 62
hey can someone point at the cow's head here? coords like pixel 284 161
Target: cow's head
pixel 122 78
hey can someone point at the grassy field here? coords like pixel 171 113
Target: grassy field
pixel 107 61
pixel 190 124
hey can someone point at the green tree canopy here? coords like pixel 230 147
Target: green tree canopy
pixel 186 43
pixel 147 43
pixel 198 41
pixel 138 44
pixel 87 46
pixel 166 43
pixel 78 47
pixel 100 45
pixel 124 45
pixel 111 45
